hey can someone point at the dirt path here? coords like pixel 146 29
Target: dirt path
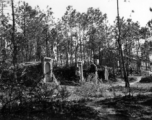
pixel 124 111
pixel 107 85
pixel 107 112
pixel 138 78
pixel 121 82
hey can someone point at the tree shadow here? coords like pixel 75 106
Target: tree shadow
pixel 54 110
pixel 127 107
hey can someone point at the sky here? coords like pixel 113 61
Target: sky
pixel 140 7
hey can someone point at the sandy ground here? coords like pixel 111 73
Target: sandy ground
pixel 109 99
pixel 114 90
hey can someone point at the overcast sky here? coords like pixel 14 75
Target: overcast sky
pixel 140 7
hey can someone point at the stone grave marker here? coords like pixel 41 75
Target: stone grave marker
pixel 47 69
pixel 80 65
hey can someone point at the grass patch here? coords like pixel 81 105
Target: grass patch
pixel 90 90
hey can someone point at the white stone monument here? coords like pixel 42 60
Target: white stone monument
pixel 47 69
pixel 150 58
pixel 80 65
pixel 106 73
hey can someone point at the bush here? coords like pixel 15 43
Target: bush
pixel 132 79
pixel 150 90
pixel 27 75
pixel 66 74
pixel 19 96
pixel 146 79
pixel 47 99
pixel 89 90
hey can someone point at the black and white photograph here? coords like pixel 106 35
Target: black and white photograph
pixel 75 59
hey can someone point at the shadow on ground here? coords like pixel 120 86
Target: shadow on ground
pixel 126 108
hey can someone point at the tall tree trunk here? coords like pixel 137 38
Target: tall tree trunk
pixel 99 56
pixel 60 58
pixel 25 37
pixel 14 54
pixel 80 49
pixel 71 58
pixel 91 54
pixel 13 36
pixel 121 52
pixel 1 47
pixel 67 54
pixel 84 51
pixel 83 44
pixel 76 54
pixel 67 58
pixel 46 43
pixel 57 54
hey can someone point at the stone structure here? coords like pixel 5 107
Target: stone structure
pixel 47 69
pixel 106 73
pixel 80 65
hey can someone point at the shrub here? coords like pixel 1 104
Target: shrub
pixel 89 90
pixel 132 79
pixel 150 90
pixel 146 79
pixel 62 75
